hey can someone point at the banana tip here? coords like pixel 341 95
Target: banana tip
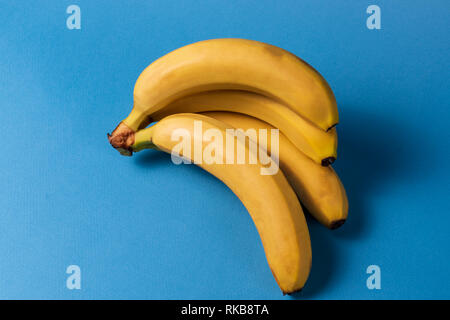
pixel 334 125
pixel 289 293
pixel 327 161
pixel 336 224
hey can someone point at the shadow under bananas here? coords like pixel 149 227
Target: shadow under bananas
pixel 375 151
pixel 324 257
pixel 153 158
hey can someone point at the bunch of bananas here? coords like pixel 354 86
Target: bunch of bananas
pixel 245 84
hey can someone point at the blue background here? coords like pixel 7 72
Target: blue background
pixel 142 227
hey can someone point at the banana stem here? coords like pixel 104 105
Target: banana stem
pixel 143 140
pixel 137 119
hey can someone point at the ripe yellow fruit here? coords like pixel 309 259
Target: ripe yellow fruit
pixel 317 144
pixel 269 199
pixel 319 188
pixel 229 64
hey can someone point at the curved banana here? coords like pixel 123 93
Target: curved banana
pixel 317 144
pixel 229 64
pixel 269 199
pixel 319 188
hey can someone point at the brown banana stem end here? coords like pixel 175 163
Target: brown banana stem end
pixel 327 161
pixel 122 138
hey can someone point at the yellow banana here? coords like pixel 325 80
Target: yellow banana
pixel 319 188
pixel 315 143
pixel 269 199
pixel 229 64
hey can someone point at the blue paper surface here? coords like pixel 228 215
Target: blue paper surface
pixel 144 228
